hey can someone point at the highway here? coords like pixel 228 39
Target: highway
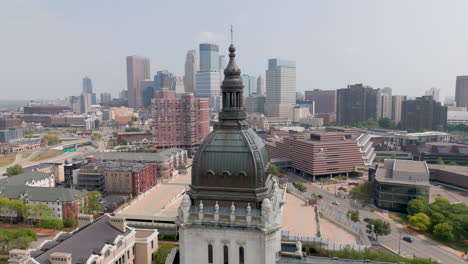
pixel 420 247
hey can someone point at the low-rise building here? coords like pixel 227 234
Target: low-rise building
pixel 11 134
pixel 322 153
pixel 107 240
pixel 399 181
pixel 136 137
pixel 258 122
pixel 65 203
pixel 30 178
pixel 449 174
pixel 129 178
pixel 436 152
pixel 56 169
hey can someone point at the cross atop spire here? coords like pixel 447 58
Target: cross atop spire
pixel 232 35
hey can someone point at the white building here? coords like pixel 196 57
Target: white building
pixel 300 112
pixel 457 115
pixel 280 88
pixel 386 105
pixel 434 92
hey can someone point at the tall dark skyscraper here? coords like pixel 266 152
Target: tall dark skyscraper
pixel 461 91
pixel 208 78
pixel 358 103
pixel 324 100
pixel 423 113
pixel 191 68
pixel 138 69
pixel 163 79
pixel 87 85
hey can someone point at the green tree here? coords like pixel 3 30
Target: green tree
pixel 393 156
pixel 420 220
pixel 417 205
pixel 130 123
pixel 354 215
pixel 163 250
pixel 14 170
pixel 28 133
pixel 37 211
pixel 387 123
pixel 440 161
pixel 274 169
pixel 381 228
pixel 51 139
pixel 96 136
pixel 444 231
pixel 363 191
pixel 300 186
pixel 124 141
pixel 52 223
pixel 132 129
pixel 94 202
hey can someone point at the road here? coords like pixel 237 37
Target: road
pixel 420 247
pixel 26 162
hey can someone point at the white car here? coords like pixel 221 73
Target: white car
pixel 336 203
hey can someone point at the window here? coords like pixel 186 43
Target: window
pixel 210 253
pixel 152 244
pixel 241 255
pixel 226 254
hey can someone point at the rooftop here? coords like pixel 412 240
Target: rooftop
pixel 43 194
pixel 325 260
pixel 82 243
pixel 463 170
pixel 23 178
pixel 403 172
pixel 135 156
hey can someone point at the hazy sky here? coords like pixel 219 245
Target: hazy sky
pixel 46 47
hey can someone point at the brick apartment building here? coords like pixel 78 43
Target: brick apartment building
pixel 129 178
pixel 181 122
pixel 321 153
pixel 324 100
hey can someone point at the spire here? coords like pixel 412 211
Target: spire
pixel 232 91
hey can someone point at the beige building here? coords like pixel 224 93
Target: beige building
pixel 107 240
pixel 138 69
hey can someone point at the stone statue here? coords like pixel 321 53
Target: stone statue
pixel 216 212
pixel 267 216
pixel 298 247
pixel 184 209
pixel 200 211
pixel 248 217
pixel 232 217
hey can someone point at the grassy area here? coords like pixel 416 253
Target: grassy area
pixel 7 160
pixel 403 219
pixel 26 155
pixel 48 154
pixel 163 250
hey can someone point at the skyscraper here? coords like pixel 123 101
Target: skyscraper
pixel 280 88
pixel 324 100
pixel 209 57
pixel 138 69
pixel 87 85
pixel 423 113
pixel 233 210
pixel 358 103
pixel 181 122
pixel 86 103
pixel 208 78
pixel 147 88
pixel 106 98
pixel 434 92
pixel 191 68
pixel 397 102
pixel 178 85
pixel 88 88
pixel 163 79
pixel 260 85
pixel 250 84
pixel 386 103
pixel 461 91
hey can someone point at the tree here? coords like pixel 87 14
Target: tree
pixel 52 223
pixel 51 139
pixel 124 141
pixel 420 220
pixel 386 123
pixel 417 205
pixel 354 215
pixel 444 231
pixel 36 211
pixel 274 169
pixel 393 156
pixel 132 129
pixel 300 186
pixel 130 123
pixel 363 191
pixel 440 161
pixel 14 170
pixel 66 162
pixel 28 133
pixel 381 228
pixel 94 202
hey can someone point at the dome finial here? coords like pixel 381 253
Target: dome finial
pixel 232 36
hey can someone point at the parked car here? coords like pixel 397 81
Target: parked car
pixel 367 220
pixel 408 239
pixel 336 203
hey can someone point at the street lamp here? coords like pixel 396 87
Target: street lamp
pixel 399 244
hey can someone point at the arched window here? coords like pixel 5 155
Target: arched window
pixel 226 254
pixel 210 254
pixel 241 255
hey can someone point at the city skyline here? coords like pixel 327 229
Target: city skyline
pixel 47 37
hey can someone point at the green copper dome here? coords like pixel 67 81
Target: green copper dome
pixel 232 163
